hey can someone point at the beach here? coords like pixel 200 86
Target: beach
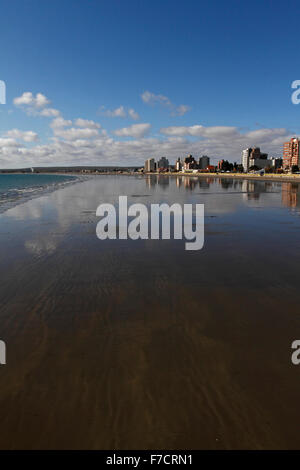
pixel 139 344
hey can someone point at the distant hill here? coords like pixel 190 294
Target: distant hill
pixel 73 169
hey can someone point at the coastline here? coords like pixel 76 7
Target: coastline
pixel 29 194
pixel 289 178
pixel 81 177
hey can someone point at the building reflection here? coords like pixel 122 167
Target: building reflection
pixel 163 181
pixel 178 181
pixel 204 183
pixel 187 182
pixel 251 190
pixel 154 180
pixel 290 195
pixel 151 181
pixel 225 183
pixel 190 183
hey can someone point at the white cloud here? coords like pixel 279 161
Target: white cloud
pixel 265 133
pixel 136 130
pixel 49 112
pixel 133 114
pixel 60 122
pixel 75 133
pixel 83 142
pixel 87 124
pixel 41 101
pixel 28 99
pixel 181 110
pixel 35 105
pixel 86 129
pixel 75 148
pixel 200 131
pixel 8 143
pixel 26 136
pixel 120 112
pixel 150 98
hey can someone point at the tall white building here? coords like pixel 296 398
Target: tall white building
pixel 254 157
pixel 149 165
pixel 178 165
pixel 246 158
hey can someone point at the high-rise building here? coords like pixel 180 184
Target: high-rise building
pixel 178 165
pixel 276 162
pixel 163 164
pixel 189 163
pixel 291 153
pixel 220 164
pixel 203 162
pixel 149 165
pixel 260 163
pixel 255 153
pixel 254 157
pixel 245 159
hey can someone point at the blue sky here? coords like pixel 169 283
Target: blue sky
pixel 217 75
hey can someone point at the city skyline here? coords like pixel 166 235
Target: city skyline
pixel 251 159
pixel 123 87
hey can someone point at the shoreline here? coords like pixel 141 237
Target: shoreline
pixel 37 192
pixel 289 178
pixel 81 177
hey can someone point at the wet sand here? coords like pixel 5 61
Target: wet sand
pixel 281 177
pixel 140 344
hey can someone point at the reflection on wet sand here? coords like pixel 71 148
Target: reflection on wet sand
pixel 291 195
pixel 252 189
pixel 139 344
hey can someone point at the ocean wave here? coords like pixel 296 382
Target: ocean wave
pixel 14 196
